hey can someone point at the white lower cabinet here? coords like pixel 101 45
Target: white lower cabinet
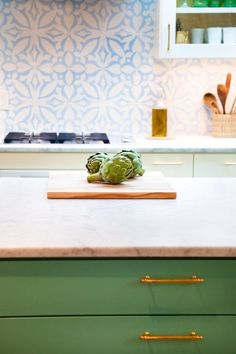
pixel 171 165
pixel 191 165
pixel 43 160
pixel 38 164
pixel 215 165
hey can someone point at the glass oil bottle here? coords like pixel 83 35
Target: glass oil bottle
pixel 159 117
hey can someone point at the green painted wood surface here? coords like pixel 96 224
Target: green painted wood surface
pixel 116 335
pixel 91 287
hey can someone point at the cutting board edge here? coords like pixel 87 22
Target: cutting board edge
pixel 133 195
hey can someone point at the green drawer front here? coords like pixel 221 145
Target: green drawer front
pixel 94 287
pixel 116 335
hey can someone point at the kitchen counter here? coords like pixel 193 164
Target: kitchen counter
pixel 199 223
pixel 186 144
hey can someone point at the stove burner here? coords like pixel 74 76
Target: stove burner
pixel 64 138
pixel 53 138
pixel 23 138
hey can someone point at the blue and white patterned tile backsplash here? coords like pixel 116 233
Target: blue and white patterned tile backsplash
pixel 86 65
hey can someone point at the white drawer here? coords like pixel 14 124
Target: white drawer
pixel 43 161
pixel 171 165
pixel 215 165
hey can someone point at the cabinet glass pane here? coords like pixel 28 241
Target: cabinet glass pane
pixel 186 22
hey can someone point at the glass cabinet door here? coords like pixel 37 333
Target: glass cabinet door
pixel 187 30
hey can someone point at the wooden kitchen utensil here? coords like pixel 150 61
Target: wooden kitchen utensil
pixel 211 102
pixel 228 82
pixel 233 105
pixel 223 91
pixel 222 94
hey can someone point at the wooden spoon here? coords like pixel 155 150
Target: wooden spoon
pixel 211 102
pixel 228 81
pixel 222 94
pixel 232 107
pixel 223 91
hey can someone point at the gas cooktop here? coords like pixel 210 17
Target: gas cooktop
pixel 54 138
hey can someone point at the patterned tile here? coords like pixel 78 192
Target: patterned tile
pixel 87 65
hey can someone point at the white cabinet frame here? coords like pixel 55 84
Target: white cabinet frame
pixel 165 45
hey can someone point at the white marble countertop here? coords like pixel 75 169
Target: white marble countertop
pixel 181 144
pixel 199 223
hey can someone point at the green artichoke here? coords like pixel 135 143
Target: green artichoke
pixel 94 162
pixel 115 169
pixel 136 161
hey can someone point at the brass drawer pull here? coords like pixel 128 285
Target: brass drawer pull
pixel 191 336
pixel 168 40
pixel 174 163
pixel 193 280
pixel 230 163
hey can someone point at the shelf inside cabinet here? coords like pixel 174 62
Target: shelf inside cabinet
pixel 205 10
pixel 204 20
pixel 204 50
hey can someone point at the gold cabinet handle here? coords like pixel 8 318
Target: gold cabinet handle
pixel 193 280
pixel 168 41
pixel 167 163
pixel 191 336
pixel 230 163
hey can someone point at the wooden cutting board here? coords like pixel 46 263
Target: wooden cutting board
pixel 74 185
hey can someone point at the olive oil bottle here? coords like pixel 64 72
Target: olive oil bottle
pixel 159 117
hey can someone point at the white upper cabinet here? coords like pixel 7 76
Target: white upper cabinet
pixel 169 46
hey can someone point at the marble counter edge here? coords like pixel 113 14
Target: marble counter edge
pixel 118 252
pixel 113 148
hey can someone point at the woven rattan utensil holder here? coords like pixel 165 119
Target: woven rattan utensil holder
pixel 224 125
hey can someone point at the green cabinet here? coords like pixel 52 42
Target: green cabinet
pixel 102 306
pixel 105 287
pixel 117 334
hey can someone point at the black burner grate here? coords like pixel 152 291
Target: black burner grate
pixel 54 138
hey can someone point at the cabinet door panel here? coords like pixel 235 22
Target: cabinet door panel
pixel 43 161
pixel 171 165
pixel 102 287
pixel 117 334
pixel 215 165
